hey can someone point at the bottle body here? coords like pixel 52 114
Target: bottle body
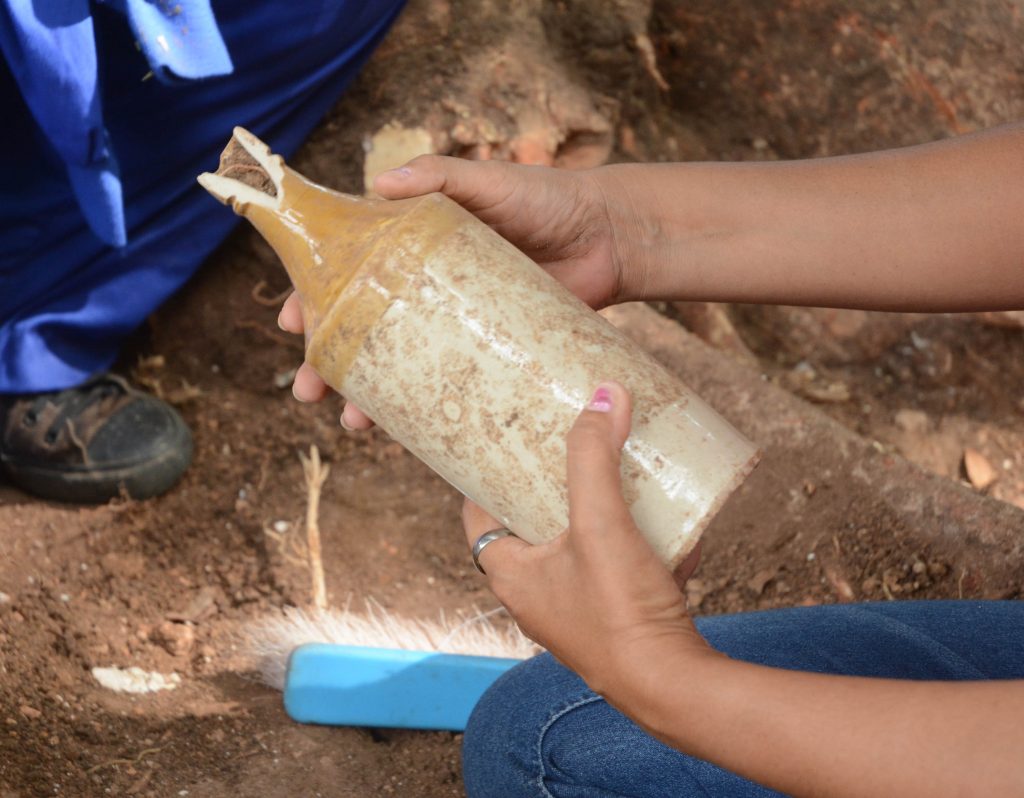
pixel 480 362
pixel 474 358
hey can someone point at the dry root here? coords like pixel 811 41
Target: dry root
pixel 315 473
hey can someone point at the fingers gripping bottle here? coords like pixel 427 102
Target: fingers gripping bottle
pixel 474 358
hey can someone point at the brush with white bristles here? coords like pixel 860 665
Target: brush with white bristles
pixel 272 639
pixel 343 668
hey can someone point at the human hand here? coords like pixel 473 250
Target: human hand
pixel 558 218
pixel 597 597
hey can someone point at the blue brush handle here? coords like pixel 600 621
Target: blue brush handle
pixel 359 686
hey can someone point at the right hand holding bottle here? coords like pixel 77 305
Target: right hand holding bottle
pixel 558 218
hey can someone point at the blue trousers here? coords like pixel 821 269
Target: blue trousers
pixel 67 301
pixel 539 731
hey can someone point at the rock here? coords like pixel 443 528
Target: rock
pixel 202 605
pixel 176 639
pixel 30 712
pixel 696 590
pixel 284 379
pixel 828 335
pixel 811 384
pixel 912 420
pixel 392 146
pixel 710 321
pixel 1002 318
pixel 759 580
pixel 135 680
pixel 840 584
pixel 979 470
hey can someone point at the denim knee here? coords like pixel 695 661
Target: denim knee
pixel 501 755
pixel 540 732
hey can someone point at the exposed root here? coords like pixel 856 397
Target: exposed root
pixel 315 472
pixel 268 301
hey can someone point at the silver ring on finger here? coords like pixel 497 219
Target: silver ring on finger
pixel 484 541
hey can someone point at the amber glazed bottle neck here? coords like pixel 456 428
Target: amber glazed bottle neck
pixel 323 237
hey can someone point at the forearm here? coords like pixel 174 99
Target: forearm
pixel 930 228
pixel 812 734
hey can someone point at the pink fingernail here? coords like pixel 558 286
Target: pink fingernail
pixel 345 426
pixel 403 171
pixel 601 401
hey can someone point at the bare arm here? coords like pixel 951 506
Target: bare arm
pixel 812 734
pixel 938 227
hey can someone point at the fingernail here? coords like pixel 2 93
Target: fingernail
pixel 297 397
pixel 401 171
pixel 601 401
pixel 280 326
pixel 344 426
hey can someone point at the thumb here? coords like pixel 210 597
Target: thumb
pixel 472 184
pixel 594 446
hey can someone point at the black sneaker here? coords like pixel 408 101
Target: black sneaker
pixel 85 444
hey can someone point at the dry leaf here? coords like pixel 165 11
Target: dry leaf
pixel 979 470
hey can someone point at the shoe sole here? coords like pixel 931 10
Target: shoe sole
pixel 97 486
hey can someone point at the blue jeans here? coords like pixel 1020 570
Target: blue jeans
pixel 539 731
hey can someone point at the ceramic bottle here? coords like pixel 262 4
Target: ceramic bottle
pixel 474 358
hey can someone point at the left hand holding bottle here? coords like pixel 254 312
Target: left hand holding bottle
pixel 597 597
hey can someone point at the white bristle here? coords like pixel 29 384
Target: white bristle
pixel 271 640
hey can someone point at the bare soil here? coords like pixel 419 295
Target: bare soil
pixel 553 82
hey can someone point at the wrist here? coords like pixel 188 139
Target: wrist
pixel 645 679
pixel 634 230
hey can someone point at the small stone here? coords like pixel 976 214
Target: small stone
pixel 912 420
pixel 176 639
pixel 919 567
pixel 759 580
pixel 392 451
pixel 392 146
pixel 938 569
pixel 696 590
pixel 30 712
pixel 135 680
pixel 4 598
pixel 281 527
pixel 284 379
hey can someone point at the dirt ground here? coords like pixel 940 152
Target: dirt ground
pixel 169 584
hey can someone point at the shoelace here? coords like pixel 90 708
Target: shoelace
pixel 74 401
